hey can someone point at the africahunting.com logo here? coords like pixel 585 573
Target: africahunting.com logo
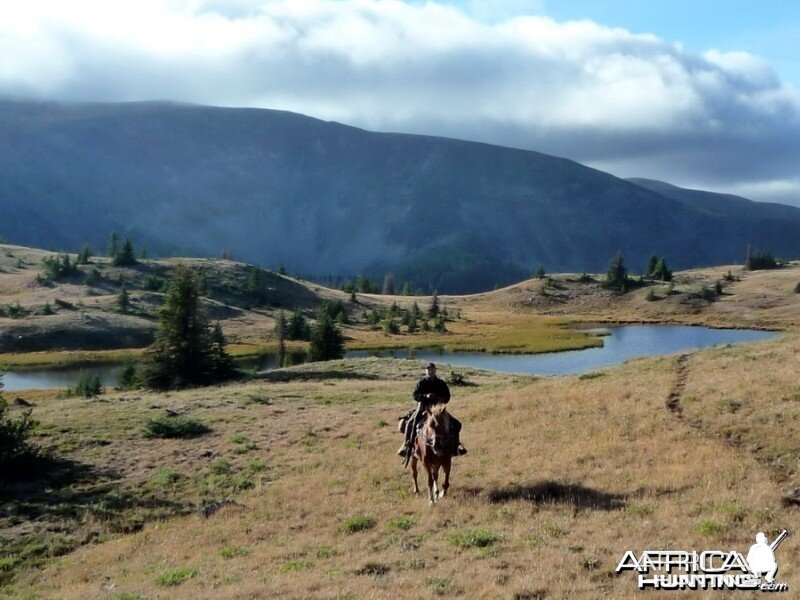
pixel 708 570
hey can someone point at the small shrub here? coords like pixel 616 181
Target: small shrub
pixel 651 295
pixel 373 568
pixel 404 523
pixel 325 552
pixel 220 467
pixel 591 375
pixel 234 551
pixel 359 523
pixel 297 565
pixel 167 478
pixel 176 577
pixel 175 426
pixel 457 379
pixel 478 538
pixel 129 377
pixel 256 465
pixel 87 386
pixel 440 586
pixel 797 289
pixel 712 528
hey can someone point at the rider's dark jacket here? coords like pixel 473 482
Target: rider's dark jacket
pixel 431 385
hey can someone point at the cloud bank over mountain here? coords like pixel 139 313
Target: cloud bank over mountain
pixel 633 104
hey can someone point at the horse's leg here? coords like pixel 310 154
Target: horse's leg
pixel 446 468
pixel 414 474
pixel 436 480
pixel 431 495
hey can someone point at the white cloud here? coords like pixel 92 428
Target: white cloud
pixel 635 103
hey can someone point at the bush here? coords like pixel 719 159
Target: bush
pixel 479 538
pixel 56 268
pixel 757 261
pixel 87 386
pixel 327 342
pixel 129 377
pixel 176 577
pixel 14 434
pixel 175 426
pixel 359 523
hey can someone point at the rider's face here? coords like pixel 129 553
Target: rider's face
pixel 430 372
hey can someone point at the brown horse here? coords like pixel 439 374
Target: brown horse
pixel 434 448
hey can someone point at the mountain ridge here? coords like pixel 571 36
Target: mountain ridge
pixel 326 198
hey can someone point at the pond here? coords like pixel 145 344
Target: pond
pixel 619 345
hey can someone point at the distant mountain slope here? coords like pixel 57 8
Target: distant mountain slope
pixel 325 198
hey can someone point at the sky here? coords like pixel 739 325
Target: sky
pixel 701 93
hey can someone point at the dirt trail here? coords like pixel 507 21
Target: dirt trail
pixel 682 374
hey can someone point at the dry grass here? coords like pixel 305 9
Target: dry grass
pixel 563 475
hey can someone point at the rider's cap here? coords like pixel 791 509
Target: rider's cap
pixel 431 366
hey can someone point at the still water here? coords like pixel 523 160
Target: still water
pixel 621 344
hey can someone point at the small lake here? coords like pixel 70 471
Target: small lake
pixel 619 344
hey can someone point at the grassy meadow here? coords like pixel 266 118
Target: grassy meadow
pixel 287 485
pixel 563 475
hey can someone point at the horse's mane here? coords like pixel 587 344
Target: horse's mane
pixel 437 412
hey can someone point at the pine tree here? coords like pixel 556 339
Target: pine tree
pixel 282 269
pixel 281 329
pixel 353 299
pixel 617 274
pixel 125 257
pixel 407 290
pixel 388 285
pixel 661 271
pixel 123 301
pixel 222 365
pixel 433 309
pixel 143 253
pixel 185 352
pixel 113 245
pixel 540 273
pixel 84 255
pixel 327 342
pixel 298 327
pixel 651 266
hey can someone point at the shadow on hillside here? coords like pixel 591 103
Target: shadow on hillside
pixel 556 492
pixel 47 487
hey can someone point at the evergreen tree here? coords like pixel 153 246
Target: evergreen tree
pixel 14 434
pixel 327 342
pixel 617 274
pixel 125 257
pixel 415 311
pixel 84 255
pixel 651 266
pixel 282 269
pixel 123 301
pixel 281 329
pixel 185 352
pixel 433 309
pixel 222 365
pixel 253 284
pixel 407 289
pixel 143 253
pixel 540 273
pixel 113 245
pixel 298 326
pixel 353 299
pixel 388 285
pixel 661 271
pixel 412 324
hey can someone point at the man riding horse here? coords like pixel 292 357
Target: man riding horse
pixel 429 391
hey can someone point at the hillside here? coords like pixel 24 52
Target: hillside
pixel 566 472
pixel 43 322
pixel 325 198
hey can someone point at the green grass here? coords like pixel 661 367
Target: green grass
pixel 476 538
pixel 176 577
pixel 234 551
pixel 712 528
pixel 404 523
pixel 359 523
pixel 179 426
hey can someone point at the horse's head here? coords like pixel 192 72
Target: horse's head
pixel 437 429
